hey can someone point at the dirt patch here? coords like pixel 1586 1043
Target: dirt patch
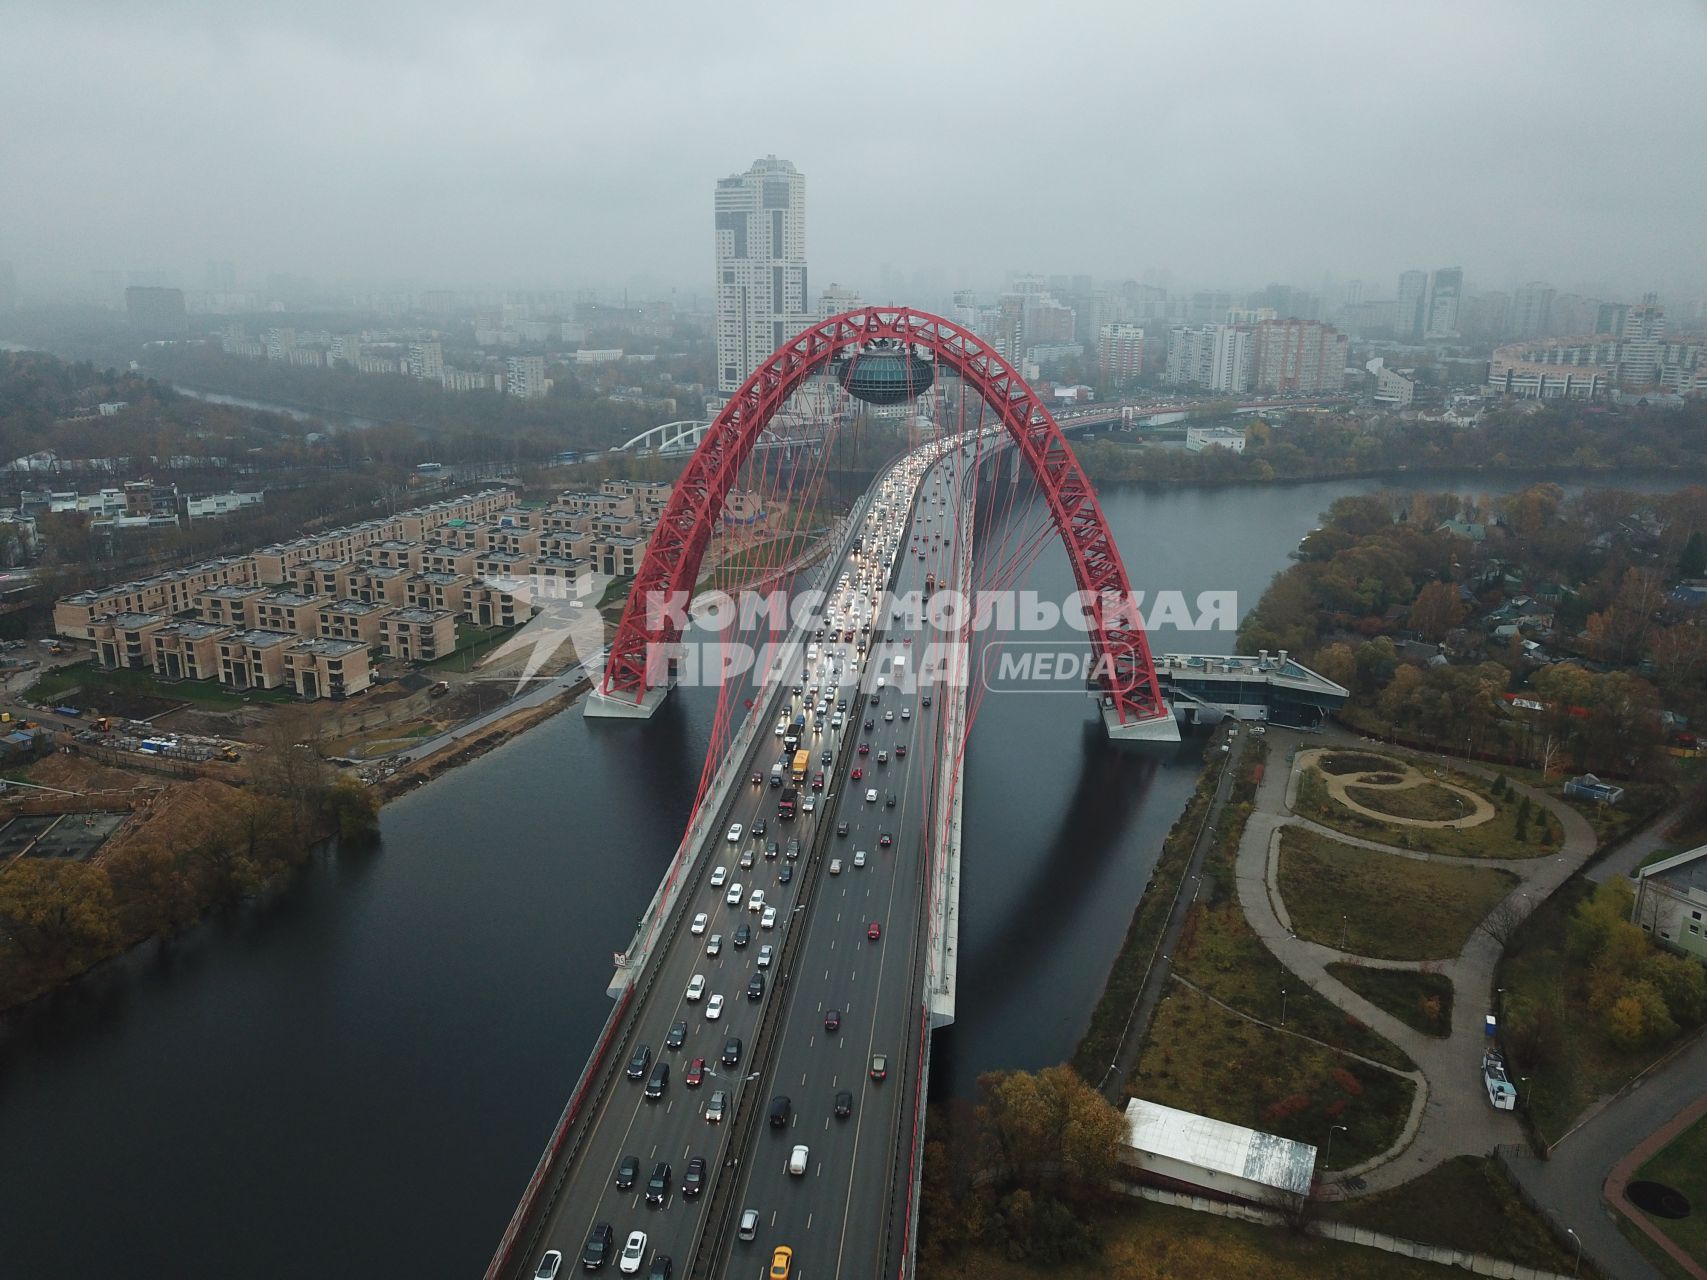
pixel 184 814
pixel 75 773
pixel 1352 762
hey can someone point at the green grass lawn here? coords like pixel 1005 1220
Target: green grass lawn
pixel 1219 952
pixel 1160 1242
pixel 1682 1164
pixel 1471 1204
pixel 1419 1000
pixel 1374 904
pixel 1428 803
pixel 1496 838
pixel 472 644
pixel 94 681
pixel 1201 1058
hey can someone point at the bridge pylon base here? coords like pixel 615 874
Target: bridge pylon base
pixel 1162 728
pixel 600 705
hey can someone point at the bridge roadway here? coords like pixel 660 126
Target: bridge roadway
pixel 828 1215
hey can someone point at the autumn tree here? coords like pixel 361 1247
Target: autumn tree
pixel 1049 1130
pixel 57 913
pixel 1436 611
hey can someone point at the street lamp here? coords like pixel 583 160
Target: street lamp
pixel 1579 1259
pixel 1283 1006
pixel 1328 1151
pixel 1345 924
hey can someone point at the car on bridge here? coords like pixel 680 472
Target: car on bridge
pixel 714 1008
pixel 695 1075
pixel 884 840
pixel 732 1052
pixel 871 795
pixel 693 1181
pixel 873 931
pixel 799 1159
pixel 900 750
pixel 627 1173
pixel 782 1262
pixel 718 876
pixel 696 987
pixel 715 1106
pixel 733 897
pixel 786 874
pixel 879 1066
pixel 699 923
pixel 764 960
pixel 601 1240
pixel 735 830
pixel 844 1103
pixel 658 1185
pixel 639 1062
pixel 859 857
pixel 633 1254
pixel 678 1035
pixel 714 945
pixel 548 1265
pixel 743 936
pixel 832 1019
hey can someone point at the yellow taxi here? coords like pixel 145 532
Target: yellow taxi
pixel 782 1262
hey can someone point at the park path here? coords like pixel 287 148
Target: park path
pixel 1452 1116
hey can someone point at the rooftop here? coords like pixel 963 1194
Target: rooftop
pixel 354 608
pixel 290 599
pixel 328 648
pixel 421 617
pixel 131 621
pixel 1684 871
pixel 1226 1148
pixel 261 638
pixel 192 630
pixel 1221 666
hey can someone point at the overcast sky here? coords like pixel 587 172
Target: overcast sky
pixel 572 144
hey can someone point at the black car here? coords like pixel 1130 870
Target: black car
pixel 732 1051
pixel 639 1062
pixel 662 1264
pixel 759 827
pixel 678 1035
pixel 658 1185
pixel 658 1081
pixel 627 1172
pixel 601 1240
pixel 844 1104
pixel 825 759
pixel 868 725
pixel 841 828
pixel 793 848
pixel 890 802
pixel 841 704
pixel 693 1181
pixel 743 935
pixel 786 874
pixel 926 700
pixel 756 987
pixel 781 1109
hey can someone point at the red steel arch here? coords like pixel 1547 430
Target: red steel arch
pixel 638 658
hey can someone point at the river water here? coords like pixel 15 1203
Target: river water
pixel 357 1075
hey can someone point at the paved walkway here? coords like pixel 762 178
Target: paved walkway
pixel 1453 1116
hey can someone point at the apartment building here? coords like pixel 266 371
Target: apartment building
pixel 187 650
pixel 456 560
pixel 438 591
pixel 326 668
pixel 287 611
pixel 417 635
pixel 351 620
pixel 386 586
pixel 169 593
pixel 253 659
pixel 396 553
pixel 320 577
pixel 122 640
pixel 231 606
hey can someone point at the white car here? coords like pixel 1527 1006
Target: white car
pixel 768 919
pixel 696 987
pixel 757 901
pixel 714 1008
pixel 714 944
pixel 835 866
pixel 871 795
pixel 634 1252
pixel 809 804
pixel 906 713
pixel 859 857
pixel 735 830
pixel 764 960
pixel 699 923
pixel 733 897
pixel 888 717
pixel 797 1162
pixel 719 876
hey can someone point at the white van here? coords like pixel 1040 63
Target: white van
pixel 798 1158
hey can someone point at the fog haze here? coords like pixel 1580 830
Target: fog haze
pixel 565 145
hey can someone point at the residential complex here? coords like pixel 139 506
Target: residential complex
pixel 1637 357
pixel 313 614
pixel 1271 355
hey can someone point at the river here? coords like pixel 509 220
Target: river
pixel 356 1075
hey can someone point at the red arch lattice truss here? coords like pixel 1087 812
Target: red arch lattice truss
pixel 1120 651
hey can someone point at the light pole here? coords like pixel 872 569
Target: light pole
pixel 1283 1006
pixel 1328 1151
pixel 1579 1258
pixel 1345 924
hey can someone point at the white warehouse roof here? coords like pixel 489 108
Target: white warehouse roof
pixel 1225 1148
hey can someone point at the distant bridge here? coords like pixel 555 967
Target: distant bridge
pixel 684 437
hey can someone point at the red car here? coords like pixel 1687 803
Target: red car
pixel 900 750
pixel 696 1073
pixel 865 748
pixel 885 840
pixel 858 773
pixel 873 931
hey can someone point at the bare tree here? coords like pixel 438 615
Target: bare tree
pixel 1501 924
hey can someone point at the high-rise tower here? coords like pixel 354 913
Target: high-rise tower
pixel 761 266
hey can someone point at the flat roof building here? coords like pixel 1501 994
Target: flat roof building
pixel 1197 1153
pixel 1671 901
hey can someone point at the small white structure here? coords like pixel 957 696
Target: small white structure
pixel 1197 439
pixel 1214 1156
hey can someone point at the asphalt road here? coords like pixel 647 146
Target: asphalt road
pixel 673 1128
pixel 833 1215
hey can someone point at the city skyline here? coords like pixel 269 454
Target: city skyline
pixel 437 146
